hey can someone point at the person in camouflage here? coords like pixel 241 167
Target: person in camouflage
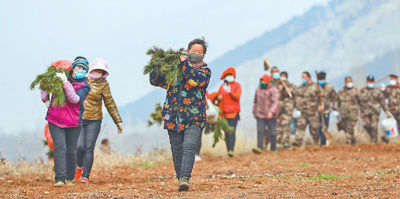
pixel 329 97
pixel 371 100
pixel 347 104
pixel 307 104
pixel 286 108
pixel 392 93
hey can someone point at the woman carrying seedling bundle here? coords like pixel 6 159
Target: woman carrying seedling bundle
pixel 92 117
pixel 184 111
pixel 65 121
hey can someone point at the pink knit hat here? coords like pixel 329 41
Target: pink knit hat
pixel 101 64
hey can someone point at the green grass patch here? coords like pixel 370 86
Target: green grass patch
pixel 325 177
pixel 146 165
pixel 149 181
pixel 303 165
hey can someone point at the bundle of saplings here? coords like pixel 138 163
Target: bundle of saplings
pixel 49 82
pixel 222 125
pixel 165 63
pixel 155 116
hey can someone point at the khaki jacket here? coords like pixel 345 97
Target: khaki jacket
pixel 100 91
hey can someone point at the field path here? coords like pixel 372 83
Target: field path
pixel 363 171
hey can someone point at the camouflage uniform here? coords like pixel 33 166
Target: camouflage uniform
pixel 286 109
pixel 329 96
pixel 348 105
pixel 371 100
pixel 307 104
pixel 392 93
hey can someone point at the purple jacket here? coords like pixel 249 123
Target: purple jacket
pixel 70 115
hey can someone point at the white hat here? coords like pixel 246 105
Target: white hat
pixel 101 64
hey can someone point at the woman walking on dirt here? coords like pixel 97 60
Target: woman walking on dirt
pixel 265 110
pixel 229 98
pixel 184 111
pixel 92 117
pixel 65 122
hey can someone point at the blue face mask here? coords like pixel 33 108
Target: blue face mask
pixel 321 82
pixel 371 85
pixel 276 75
pixel 79 74
pixel 304 81
pixel 284 78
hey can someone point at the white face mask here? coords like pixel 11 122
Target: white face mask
pixel 230 78
pixel 349 85
pixel 393 82
pixel 94 75
pixel 370 85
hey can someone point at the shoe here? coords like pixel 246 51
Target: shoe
pixel 385 139
pixel 184 184
pixel 78 173
pixel 59 184
pixel 69 182
pixel 257 151
pixel 84 180
pixel 197 158
pixel 230 154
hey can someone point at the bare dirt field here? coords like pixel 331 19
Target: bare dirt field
pixel 363 171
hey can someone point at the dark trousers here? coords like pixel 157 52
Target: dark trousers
pixel 262 132
pixel 87 140
pixel 321 134
pixel 65 140
pixel 183 147
pixel 230 138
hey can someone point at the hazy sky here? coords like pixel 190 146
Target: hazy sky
pixel 36 33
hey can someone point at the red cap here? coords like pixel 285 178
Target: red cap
pixel 229 70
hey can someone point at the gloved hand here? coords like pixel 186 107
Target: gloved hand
pixel 383 87
pixel 227 88
pixel 120 128
pixel 335 113
pixel 62 77
pixel 47 103
pixel 296 113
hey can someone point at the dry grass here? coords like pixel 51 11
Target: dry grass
pixel 143 160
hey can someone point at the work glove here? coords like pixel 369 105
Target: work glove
pixel 383 87
pixel 47 103
pixel 120 128
pixel 227 88
pixel 296 113
pixel 63 77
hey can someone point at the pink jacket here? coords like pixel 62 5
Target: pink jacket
pixel 266 101
pixel 70 115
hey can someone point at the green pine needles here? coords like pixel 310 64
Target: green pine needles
pixel 49 82
pixel 165 63
pixel 155 116
pixel 222 125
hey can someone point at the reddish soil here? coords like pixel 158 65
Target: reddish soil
pixel 364 171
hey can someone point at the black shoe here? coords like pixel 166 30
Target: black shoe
pixel 184 184
pixel 257 151
pixel 385 139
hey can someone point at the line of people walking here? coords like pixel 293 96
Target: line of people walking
pixel 278 103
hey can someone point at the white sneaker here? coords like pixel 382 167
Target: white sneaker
pixel 197 158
